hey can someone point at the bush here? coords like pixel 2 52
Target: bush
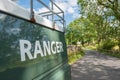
pixel 108 45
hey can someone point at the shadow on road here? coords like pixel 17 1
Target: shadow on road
pixel 96 66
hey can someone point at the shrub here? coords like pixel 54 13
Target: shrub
pixel 108 45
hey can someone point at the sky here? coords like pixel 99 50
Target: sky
pixel 69 7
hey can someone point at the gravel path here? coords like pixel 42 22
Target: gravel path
pixel 96 66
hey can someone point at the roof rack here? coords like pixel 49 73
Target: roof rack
pixel 56 17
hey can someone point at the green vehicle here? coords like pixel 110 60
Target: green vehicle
pixel 31 46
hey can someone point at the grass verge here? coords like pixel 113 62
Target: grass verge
pixel 111 53
pixel 73 57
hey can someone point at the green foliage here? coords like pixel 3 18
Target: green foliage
pixel 99 24
pixel 113 54
pixel 73 33
pixel 114 5
pixel 73 57
pixel 80 30
pixel 108 45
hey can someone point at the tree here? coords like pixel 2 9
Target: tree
pixel 114 5
pixel 80 30
pixel 105 17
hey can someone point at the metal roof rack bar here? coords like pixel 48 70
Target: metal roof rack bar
pixel 44 12
pixel 56 6
pixel 31 11
pixel 50 13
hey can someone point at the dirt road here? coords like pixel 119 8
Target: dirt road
pixel 96 66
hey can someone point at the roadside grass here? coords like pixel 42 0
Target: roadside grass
pixel 73 57
pixel 113 52
pixel 93 47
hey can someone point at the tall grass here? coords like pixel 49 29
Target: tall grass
pixel 73 57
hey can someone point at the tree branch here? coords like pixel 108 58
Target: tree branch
pixel 112 2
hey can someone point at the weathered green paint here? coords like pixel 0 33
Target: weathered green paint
pixel 50 67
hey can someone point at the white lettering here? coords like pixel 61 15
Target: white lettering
pixel 46 47
pixel 38 49
pixel 53 48
pixel 61 47
pixel 25 47
pixel 58 47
